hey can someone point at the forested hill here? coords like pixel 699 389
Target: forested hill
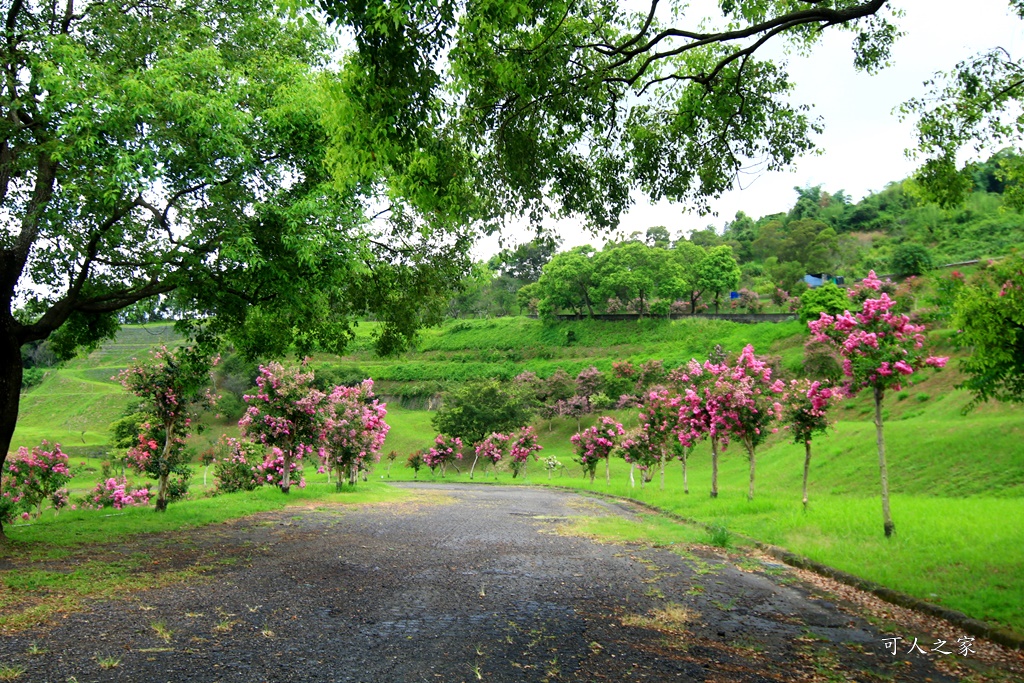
pixel 893 231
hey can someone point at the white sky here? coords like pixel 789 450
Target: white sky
pixel 862 146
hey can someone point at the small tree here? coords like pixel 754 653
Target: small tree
pixel 416 461
pixel 805 413
pixel 287 415
pixel 879 349
pixel 596 443
pixel 640 453
pixel 752 403
pixel 354 430
pixel 172 386
pixel 705 411
pixel 479 408
pixel 659 418
pixel 235 464
pixel 445 451
pixel 491 449
pixel 522 445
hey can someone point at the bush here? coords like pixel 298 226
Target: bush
pixel 825 299
pixel 910 259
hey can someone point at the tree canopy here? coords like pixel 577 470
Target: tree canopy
pixel 518 108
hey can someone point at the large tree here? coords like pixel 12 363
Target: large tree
pixel 177 148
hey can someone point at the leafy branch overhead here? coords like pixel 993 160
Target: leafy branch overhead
pixel 500 107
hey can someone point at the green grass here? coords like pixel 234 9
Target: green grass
pixel 83 527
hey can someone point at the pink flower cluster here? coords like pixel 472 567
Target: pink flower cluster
pixel 878 345
pixel 492 448
pixel 114 492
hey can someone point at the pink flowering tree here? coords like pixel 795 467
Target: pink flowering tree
pixel 880 349
pixel 659 418
pixel 288 416
pixel 637 450
pixel 36 476
pixel 751 399
pixel 805 412
pixel 595 444
pixel 355 430
pixel 173 385
pixel 706 411
pixel 447 450
pixel 521 446
pixel 235 465
pixel 490 450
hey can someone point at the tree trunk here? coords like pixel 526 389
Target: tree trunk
pixel 662 468
pixel 607 470
pixel 339 478
pixel 714 467
pixel 353 474
pixel 473 466
pixel 750 454
pixel 632 481
pixel 10 398
pixel 889 527
pixel 807 468
pixel 593 471
pixel 286 476
pixel 161 496
pixel 686 484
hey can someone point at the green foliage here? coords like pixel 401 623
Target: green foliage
pixel 476 409
pixel 989 309
pixel 910 259
pixel 825 299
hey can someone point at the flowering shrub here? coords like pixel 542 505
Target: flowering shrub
pixel 115 492
pixel 879 348
pixel 589 382
pixel 639 452
pixel 445 451
pixel 287 415
pixel 34 477
pixel 236 466
pixel 521 446
pixel 596 443
pixel 172 385
pixel 355 429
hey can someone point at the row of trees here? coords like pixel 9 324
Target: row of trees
pixel 741 401
pixel 633 276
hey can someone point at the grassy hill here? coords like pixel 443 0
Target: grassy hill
pixel 957 480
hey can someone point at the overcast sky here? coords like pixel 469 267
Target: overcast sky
pixel 862 146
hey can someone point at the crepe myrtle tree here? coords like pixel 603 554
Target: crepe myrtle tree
pixel 173 384
pixel 354 429
pixel 753 400
pixel 289 417
pixel 805 407
pixel 659 419
pixel 879 349
pixel 176 150
pixel 596 443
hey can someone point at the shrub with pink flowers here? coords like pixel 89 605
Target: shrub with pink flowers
pixel 636 449
pixel 355 430
pixel 445 451
pixel 288 416
pixel 880 349
pixel 173 385
pixel 659 420
pixel 235 465
pixel 595 444
pixel 34 477
pixel 522 445
pixel 490 450
pixel 117 493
